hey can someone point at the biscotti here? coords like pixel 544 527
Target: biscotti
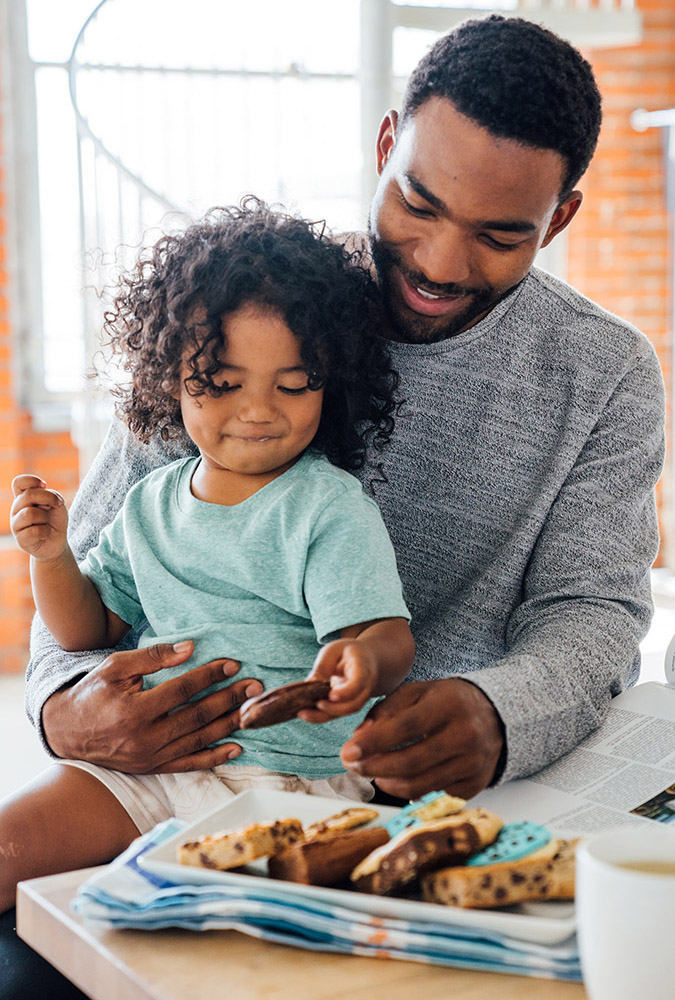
pixel 431 806
pixel 326 860
pixel 547 873
pixel 345 820
pixel 449 840
pixel 281 704
pixel 239 847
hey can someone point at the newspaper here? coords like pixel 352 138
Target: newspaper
pixel 622 775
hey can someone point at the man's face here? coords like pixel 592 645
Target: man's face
pixel 457 219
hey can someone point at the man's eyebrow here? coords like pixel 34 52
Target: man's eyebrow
pixel 423 192
pixel 502 225
pixel 506 226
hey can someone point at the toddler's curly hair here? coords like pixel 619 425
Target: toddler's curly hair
pixel 175 298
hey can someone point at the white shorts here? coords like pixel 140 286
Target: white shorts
pixel 151 798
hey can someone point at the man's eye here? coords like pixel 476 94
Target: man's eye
pixel 420 212
pixel 497 245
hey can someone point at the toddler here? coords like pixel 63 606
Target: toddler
pixel 254 333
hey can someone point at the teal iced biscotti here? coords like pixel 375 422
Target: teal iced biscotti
pixel 423 846
pixel 547 873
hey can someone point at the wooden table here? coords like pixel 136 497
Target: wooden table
pixel 226 965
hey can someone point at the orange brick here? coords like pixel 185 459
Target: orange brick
pixel 14 632
pixel 13 661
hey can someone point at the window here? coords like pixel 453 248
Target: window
pixel 136 114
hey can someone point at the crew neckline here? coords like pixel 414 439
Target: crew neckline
pixel 187 501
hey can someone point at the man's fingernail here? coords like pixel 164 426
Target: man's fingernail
pixel 234 753
pixel 352 753
pixel 251 690
pixel 230 668
pixel 182 647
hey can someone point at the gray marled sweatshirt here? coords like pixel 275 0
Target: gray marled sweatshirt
pixel 520 500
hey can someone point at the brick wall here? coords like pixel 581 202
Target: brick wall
pixel 619 241
pixel 22 449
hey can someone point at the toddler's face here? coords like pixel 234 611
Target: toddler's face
pixel 267 415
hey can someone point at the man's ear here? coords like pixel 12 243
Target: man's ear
pixel 562 216
pixel 386 137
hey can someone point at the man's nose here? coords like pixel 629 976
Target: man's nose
pixel 443 255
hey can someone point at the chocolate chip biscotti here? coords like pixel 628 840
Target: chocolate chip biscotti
pixel 239 847
pixel 349 818
pixel 544 874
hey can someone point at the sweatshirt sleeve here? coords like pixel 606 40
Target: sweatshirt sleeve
pixel 573 642
pixel 120 463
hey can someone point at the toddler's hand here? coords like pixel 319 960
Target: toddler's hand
pixel 38 518
pixel 352 671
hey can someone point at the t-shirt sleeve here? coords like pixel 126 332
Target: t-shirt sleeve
pixel 108 567
pixel 351 574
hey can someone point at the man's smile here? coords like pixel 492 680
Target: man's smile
pixel 427 303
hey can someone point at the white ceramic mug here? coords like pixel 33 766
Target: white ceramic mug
pixel 626 915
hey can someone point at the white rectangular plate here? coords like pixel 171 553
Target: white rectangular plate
pixel 546 923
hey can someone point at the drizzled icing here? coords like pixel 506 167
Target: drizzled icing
pixel 514 841
pixel 433 805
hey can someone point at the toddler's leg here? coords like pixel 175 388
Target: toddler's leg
pixel 64 819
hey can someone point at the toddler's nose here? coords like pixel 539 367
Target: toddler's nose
pixel 256 409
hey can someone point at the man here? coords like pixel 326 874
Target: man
pixel 519 486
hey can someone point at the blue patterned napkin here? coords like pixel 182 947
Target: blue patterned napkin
pixel 126 895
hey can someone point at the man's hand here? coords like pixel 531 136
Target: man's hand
pixel 426 736
pixel 107 718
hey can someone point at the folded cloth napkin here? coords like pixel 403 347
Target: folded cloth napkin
pixel 124 894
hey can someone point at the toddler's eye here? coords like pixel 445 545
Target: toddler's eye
pixel 294 392
pixel 221 390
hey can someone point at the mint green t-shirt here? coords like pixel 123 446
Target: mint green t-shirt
pixel 265 582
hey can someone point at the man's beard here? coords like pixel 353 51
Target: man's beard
pixel 415 328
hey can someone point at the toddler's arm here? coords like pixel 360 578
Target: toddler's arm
pixel 368 660
pixel 66 599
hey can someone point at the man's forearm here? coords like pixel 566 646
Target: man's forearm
pixel 554 687
pixel 50 669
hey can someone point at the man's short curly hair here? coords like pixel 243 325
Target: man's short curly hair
pixel 170 307
pixel 517 80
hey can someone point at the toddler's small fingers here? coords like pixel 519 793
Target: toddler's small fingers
pixel 29 517
pixel 60 502
pixel 342 689
pixel 26 482
pixel 37 497
pixel 345 707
